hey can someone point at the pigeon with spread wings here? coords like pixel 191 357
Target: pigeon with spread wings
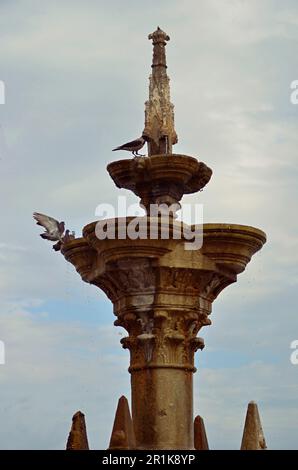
pixel 54 230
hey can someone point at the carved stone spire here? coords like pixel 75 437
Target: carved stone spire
pixel 159 38
pixel 123 437
pixel 253 435
pixel 159 111
pixel 200 436
pixel 77 439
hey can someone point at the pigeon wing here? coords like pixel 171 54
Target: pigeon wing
pixel 49 223
pixel 48 236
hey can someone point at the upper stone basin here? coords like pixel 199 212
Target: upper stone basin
pixel 160 178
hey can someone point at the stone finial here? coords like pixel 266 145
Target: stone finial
pixel 200 436
pixel 159 111
pixel 159 38
pixel 253 436
pixel 77 439
pixel 123 437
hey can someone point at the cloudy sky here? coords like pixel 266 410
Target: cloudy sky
pixel 76 76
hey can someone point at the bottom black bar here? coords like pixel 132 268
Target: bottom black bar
pixel 135 459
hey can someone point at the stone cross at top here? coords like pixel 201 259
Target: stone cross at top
pixel 159 111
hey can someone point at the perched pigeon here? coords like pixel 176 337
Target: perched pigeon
pixel 133 146
pixel 54 230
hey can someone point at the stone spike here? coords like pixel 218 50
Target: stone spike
pixel 123 436
pixel 77 439
pixel 200 436
pixel 253 436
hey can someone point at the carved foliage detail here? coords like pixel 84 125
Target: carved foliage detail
pixel 126 277
pixel 161 308
pixel 162 337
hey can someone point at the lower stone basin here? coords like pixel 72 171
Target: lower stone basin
pixel 230 245
pixel 227 247
pixel 144 273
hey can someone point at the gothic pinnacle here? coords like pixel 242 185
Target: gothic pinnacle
pixel 77 439
pixel 159 111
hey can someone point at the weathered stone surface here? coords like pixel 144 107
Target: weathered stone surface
pixel 253 436
pixel 122 437
pixel 200 436
pixel 158 180
pixel 77 439
pixel 159 111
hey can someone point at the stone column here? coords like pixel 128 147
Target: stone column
pixel 162 345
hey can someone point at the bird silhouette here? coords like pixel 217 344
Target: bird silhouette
pixel 134 146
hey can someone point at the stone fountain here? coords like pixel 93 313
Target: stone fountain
pixel 162 289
